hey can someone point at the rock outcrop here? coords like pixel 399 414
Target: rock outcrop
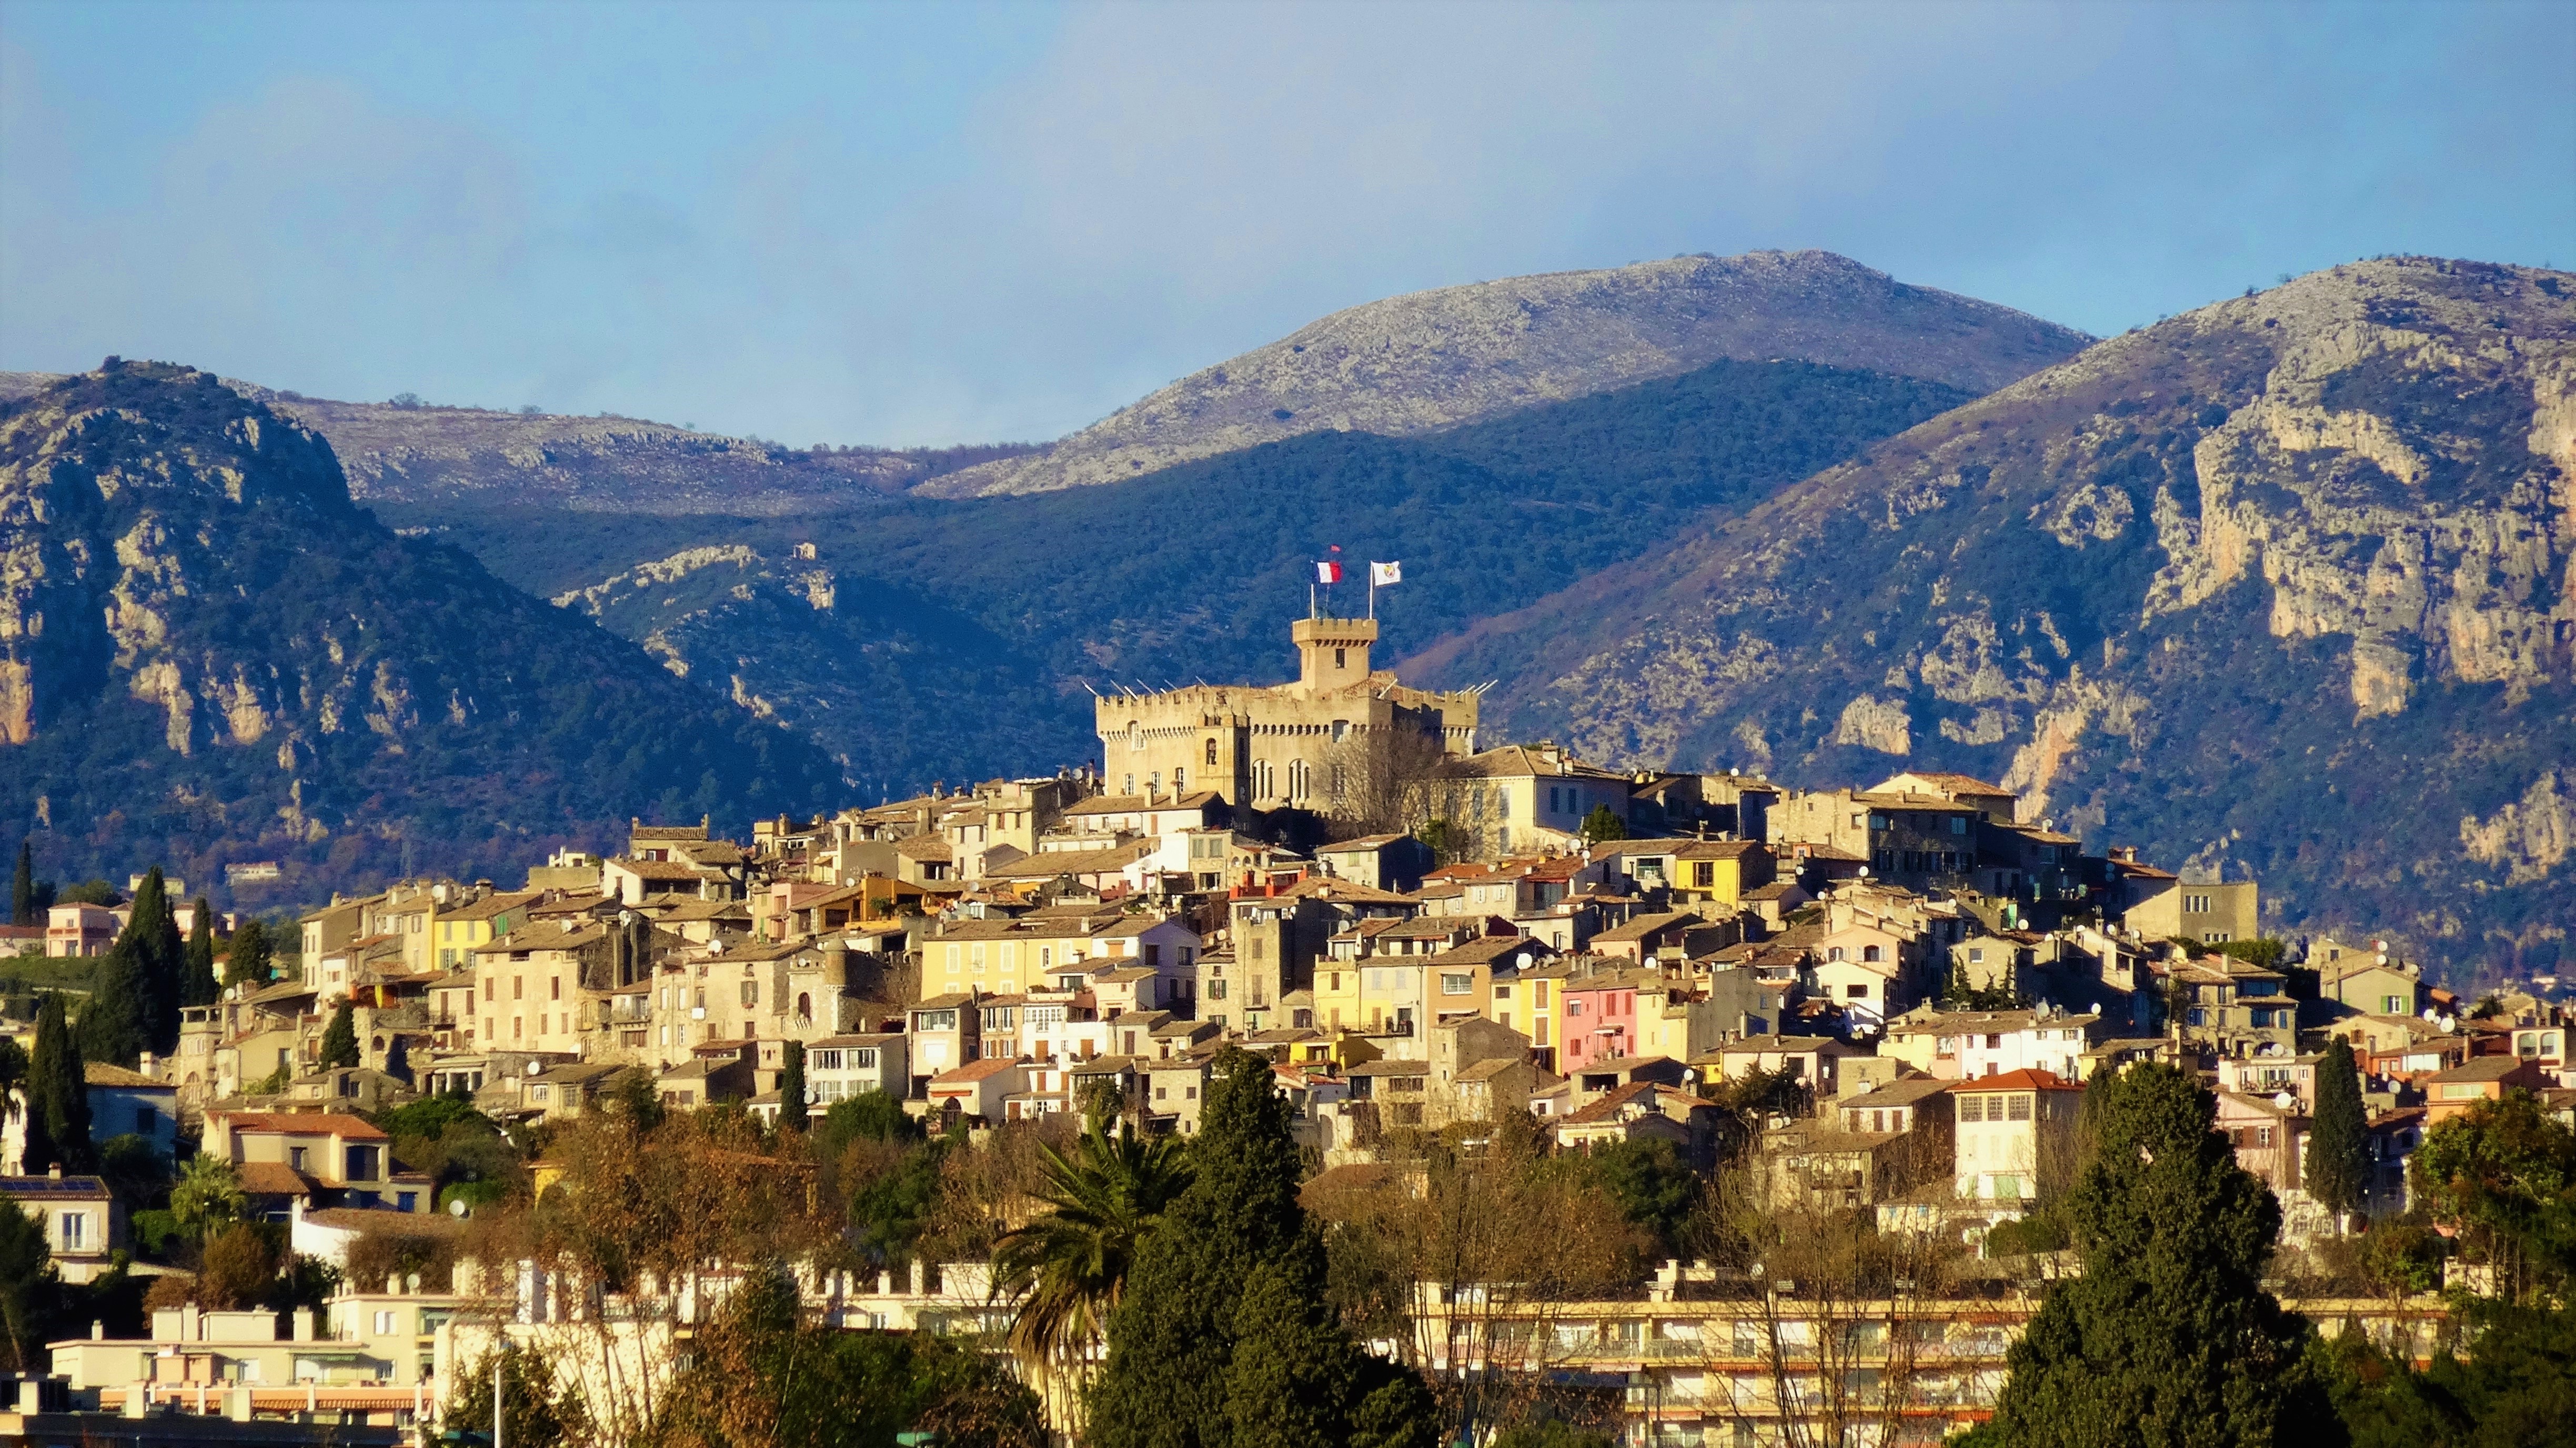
pixel 2291 578
pixel 1431 360
pixel 207 650
pixel 431 457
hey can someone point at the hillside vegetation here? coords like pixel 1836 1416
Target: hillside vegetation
pixel 1197 569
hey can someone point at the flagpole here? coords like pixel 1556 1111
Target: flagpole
pixel 1372 591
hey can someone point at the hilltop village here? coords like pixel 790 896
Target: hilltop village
pixel 1903 987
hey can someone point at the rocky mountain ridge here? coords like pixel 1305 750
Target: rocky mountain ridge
pixel 1431 360
pixel 210 653
pixel 471 456
pixel 2285 585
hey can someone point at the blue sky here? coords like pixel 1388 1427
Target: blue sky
pixel 930 224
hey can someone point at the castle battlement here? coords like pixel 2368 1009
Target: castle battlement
pixel 1267 745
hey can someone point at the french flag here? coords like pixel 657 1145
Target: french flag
pixel 1328 572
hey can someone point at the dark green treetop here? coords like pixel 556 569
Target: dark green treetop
pixel 2168 1338
pixel 2338 1173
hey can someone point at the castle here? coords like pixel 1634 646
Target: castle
pixel 1280 744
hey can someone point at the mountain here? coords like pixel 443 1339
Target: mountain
pixel 903 691
pixel 1432 360
pixel 2284 587
pixel 915 637
pixel 209 653
pixel 413 452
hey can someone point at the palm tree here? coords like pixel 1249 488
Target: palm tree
pixel 1069 1264
pixel 207 1195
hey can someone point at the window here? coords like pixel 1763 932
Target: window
pixel 1340 658
pixel 1869 955
pixel 1704 873
pixel 1972 1108
pixel 1211 753
pixel 1959 824
pixel 1976 955
pixel 1457 983
pixel 75 1231
pixel 750 994
pixel 2019 1108
pixel 147 1119
pixel 295 1157
pixel 1859 992
pixel 407 1201
pixel 384 1324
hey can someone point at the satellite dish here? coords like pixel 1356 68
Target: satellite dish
pixel 456 1208
pixel 534 1067
pixel 2449 1024
pixel 2286 1100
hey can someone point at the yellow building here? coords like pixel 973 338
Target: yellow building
pixel 1524 797
pixel 459 932
pixel 1718 872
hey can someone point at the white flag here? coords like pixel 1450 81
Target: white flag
pixel 1382 574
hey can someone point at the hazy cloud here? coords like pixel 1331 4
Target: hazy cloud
pixel 911 225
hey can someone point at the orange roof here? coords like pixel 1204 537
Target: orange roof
pixel 272 1179
pixel 301 1123
pixel 2025 1079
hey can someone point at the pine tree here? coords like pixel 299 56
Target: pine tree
pixel 340 1038
pixel 22 891
pixel 1602 824
pixel 791 1089
pixel 2339 1141
pixel 1234 1253
pixel 246 961
pixel 112 1025
pixel 57 1096
pixel 2168 1338
pixel 197 984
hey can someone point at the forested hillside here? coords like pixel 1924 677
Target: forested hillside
pixel 1195 571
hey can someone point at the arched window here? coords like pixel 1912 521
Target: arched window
pixel 1869 954
pixel 1298 777
pixel 1834 954
pixel 804 1005
pixel 1135 735
pixel 1211 755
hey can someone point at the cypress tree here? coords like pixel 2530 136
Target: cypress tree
pixel 151 941
pixel 246 961
pixel 22 891
pixel 57 1095
pixel 1222 1327
pixel 2168 1338
pixel 113 1027
pixel 791 1089
pixel 197 985
pixel 2339 1140
pixel 340 1038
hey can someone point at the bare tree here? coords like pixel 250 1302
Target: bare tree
pixel 1466 1258
pixel 1381 781
pixel 1837 1326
